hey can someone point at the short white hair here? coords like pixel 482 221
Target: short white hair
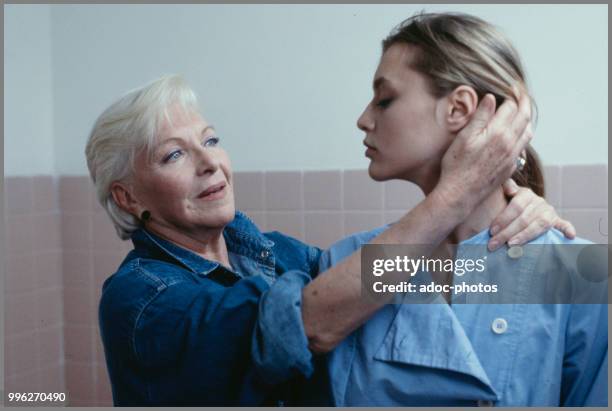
pixel 127 126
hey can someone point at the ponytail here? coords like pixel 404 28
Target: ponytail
pixel 531 175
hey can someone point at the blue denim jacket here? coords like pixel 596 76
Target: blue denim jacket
pixel 178 329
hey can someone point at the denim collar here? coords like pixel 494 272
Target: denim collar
pixel 241 236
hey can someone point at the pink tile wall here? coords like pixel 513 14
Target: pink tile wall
pixel 321 207
pixel 584 200
pixel 34 338
pixel 91 252
pixel 61 247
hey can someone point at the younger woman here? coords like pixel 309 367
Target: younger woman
pixel 434 71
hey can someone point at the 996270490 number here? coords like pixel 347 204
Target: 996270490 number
pixel 36 396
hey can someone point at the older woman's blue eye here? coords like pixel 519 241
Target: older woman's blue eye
pixel 173 156
pixel 211 142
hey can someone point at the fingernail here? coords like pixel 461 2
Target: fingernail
pixel 494 230
pixel 491 101
pixel 513 241
pixel 493 245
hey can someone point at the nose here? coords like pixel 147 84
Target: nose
pixel 206 161
pixel 365 122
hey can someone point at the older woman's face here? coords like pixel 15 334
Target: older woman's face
pixel 404 132
pixel 187 183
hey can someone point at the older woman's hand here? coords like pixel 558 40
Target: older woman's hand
pixel 484 153
pixel 525 218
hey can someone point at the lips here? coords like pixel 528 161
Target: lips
pixel 212 189
pixel 368 146
pixel 369 150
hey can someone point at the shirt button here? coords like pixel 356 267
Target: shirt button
pixel 516 251
pixel 265 254
pixel 485 403
pixel 499 326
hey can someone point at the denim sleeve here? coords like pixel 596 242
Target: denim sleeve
pixel 343 248
pixel 280 347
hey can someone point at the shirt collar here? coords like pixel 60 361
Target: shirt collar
pixel 241 235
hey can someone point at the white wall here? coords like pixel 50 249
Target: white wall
pixel 28 99
pixel 284 84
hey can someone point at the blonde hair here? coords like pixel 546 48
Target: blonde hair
pixel 126 127
pixel 456 49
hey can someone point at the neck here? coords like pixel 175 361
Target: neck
pixel 478 220
pixel 481 218
pixel 209 244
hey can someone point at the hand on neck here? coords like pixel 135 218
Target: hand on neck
pixel 481 218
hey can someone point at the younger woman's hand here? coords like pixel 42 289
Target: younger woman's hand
pixel 525 218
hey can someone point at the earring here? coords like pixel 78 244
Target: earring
pixel 146 215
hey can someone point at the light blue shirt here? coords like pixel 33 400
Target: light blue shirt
pixel 473 354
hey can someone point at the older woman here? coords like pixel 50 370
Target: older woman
pixel 207 310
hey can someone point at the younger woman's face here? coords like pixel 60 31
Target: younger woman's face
pixel 404 122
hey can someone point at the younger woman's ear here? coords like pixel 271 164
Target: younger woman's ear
pixel 124 198
pixel 462 103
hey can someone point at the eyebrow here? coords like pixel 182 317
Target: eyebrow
pixel 168 140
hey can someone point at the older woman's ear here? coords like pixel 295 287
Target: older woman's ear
pixel 462 103
pixel 122 194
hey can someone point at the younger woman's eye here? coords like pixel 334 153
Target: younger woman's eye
pixel 173 156
pixel 384 103
pixel 211 142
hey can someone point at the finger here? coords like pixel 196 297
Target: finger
pixel 523 116
pixel 522 142
pixel 510 126
pixel 517 92
pixel 526 136
pixel 566 228
pixel 483 114
pixel 536 220
pixel 532 231
pixel 515 226
pixel 529 130
pixel 510 187
pixel 502 121
pixel 516 207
